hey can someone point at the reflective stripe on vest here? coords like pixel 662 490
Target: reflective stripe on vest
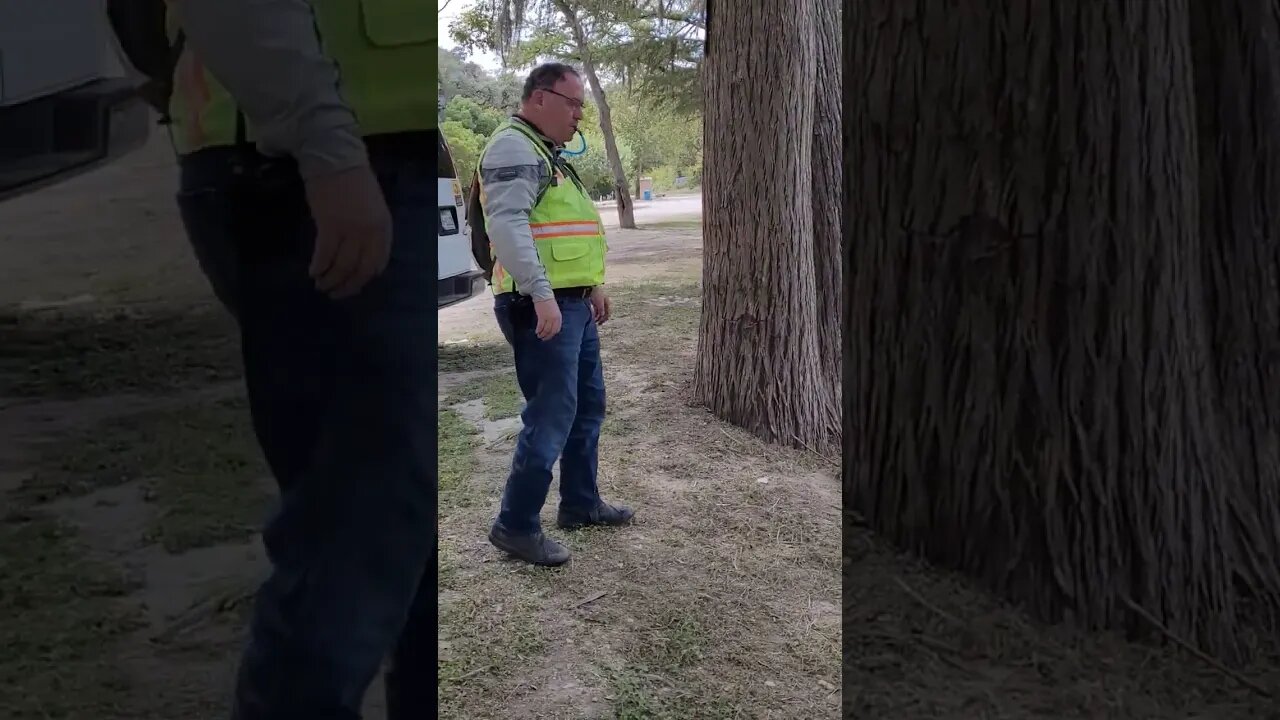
pixel 566 227
pixel 385 51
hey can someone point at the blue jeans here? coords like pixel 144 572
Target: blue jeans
pixel 343 400
pixel 563 385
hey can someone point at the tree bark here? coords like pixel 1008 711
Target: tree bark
pixel 759 357
pixel 828 177
pixel 626 209
pixel 1028 394
pixel 1237 62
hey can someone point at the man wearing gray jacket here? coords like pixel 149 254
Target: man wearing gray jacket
pixel 548 248
pixel 308 196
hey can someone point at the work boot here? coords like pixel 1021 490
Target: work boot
pixel 535 548
pixel 602 514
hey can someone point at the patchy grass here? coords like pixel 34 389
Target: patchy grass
pixel 474 355
pixel 57 612
pixel 71 355
pixel 499 392
pixel 457 441
pixel 486 638
pixel 489 628
pixel 618 426
pixel 660 319
pixel 679 615
pixel 638 693
pixel 199 462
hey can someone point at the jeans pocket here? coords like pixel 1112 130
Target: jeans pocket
pixel 206 217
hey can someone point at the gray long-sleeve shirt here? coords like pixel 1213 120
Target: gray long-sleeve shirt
pixel 512 170
pixel 267 55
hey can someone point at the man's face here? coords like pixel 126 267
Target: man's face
pixel 560 108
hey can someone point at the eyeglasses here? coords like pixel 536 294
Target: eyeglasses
pixel 574 103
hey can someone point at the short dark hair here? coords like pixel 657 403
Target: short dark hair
pixel 545 76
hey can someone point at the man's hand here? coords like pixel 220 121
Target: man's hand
pixel 601 305
pixel 549 319
pixel 353 231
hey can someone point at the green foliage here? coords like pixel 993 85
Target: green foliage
pixel 653 46
pixel 465 146
pixel 660 133
pixel 460 78
pixel 645 53
pixel 479 119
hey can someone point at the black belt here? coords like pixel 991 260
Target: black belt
pixel 576 293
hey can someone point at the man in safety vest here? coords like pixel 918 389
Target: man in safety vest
pixel 548 248
pixel 309 200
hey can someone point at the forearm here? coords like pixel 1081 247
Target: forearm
pixel 267 55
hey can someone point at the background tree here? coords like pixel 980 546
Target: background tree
pixel 465 146
pixel 653 44
pixel 1032 395
pixel 761 362
pixel 656 132
pixel 461 78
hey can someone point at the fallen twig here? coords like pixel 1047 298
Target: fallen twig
pixel 589 599
pixel 1215 664
pixel 473 673
pixel 835 462
pixel 930 606
pixel 733 439
pixel 202 611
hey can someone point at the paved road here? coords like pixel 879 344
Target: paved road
pixel 656 210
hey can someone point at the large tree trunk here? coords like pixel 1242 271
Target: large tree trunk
pixel 1237 83
pixel 1029 396
pixel 828 175
pixel 759 356
pixel 626 209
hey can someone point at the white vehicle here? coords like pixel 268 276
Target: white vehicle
pixel 66 106
pixel 459 278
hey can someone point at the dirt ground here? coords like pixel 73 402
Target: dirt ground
pixel 133 490
pixel 722 601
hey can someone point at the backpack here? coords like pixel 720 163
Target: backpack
pixel 140 28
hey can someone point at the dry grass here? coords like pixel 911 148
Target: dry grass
pixel 57 611
pixel 118 491
pixel 138 349
pixel 719 603
pixel 923 644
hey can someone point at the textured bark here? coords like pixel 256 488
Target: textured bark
pixel 626 209
pixel 759 357
pixel 828 172
pixel 1237 60
pixel 1029 393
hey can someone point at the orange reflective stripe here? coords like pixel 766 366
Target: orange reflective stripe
pixel 551 236
pixel 195 89
pixel 543 231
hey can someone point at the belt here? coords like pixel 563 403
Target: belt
pixel 576 293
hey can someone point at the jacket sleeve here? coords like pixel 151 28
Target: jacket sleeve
pixel 267 54
pixel 511 173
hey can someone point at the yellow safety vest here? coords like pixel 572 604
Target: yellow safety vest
pixel 385 51
pixel 567 230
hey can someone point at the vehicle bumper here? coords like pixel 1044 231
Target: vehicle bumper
pixel 51 138
pixel 453 290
